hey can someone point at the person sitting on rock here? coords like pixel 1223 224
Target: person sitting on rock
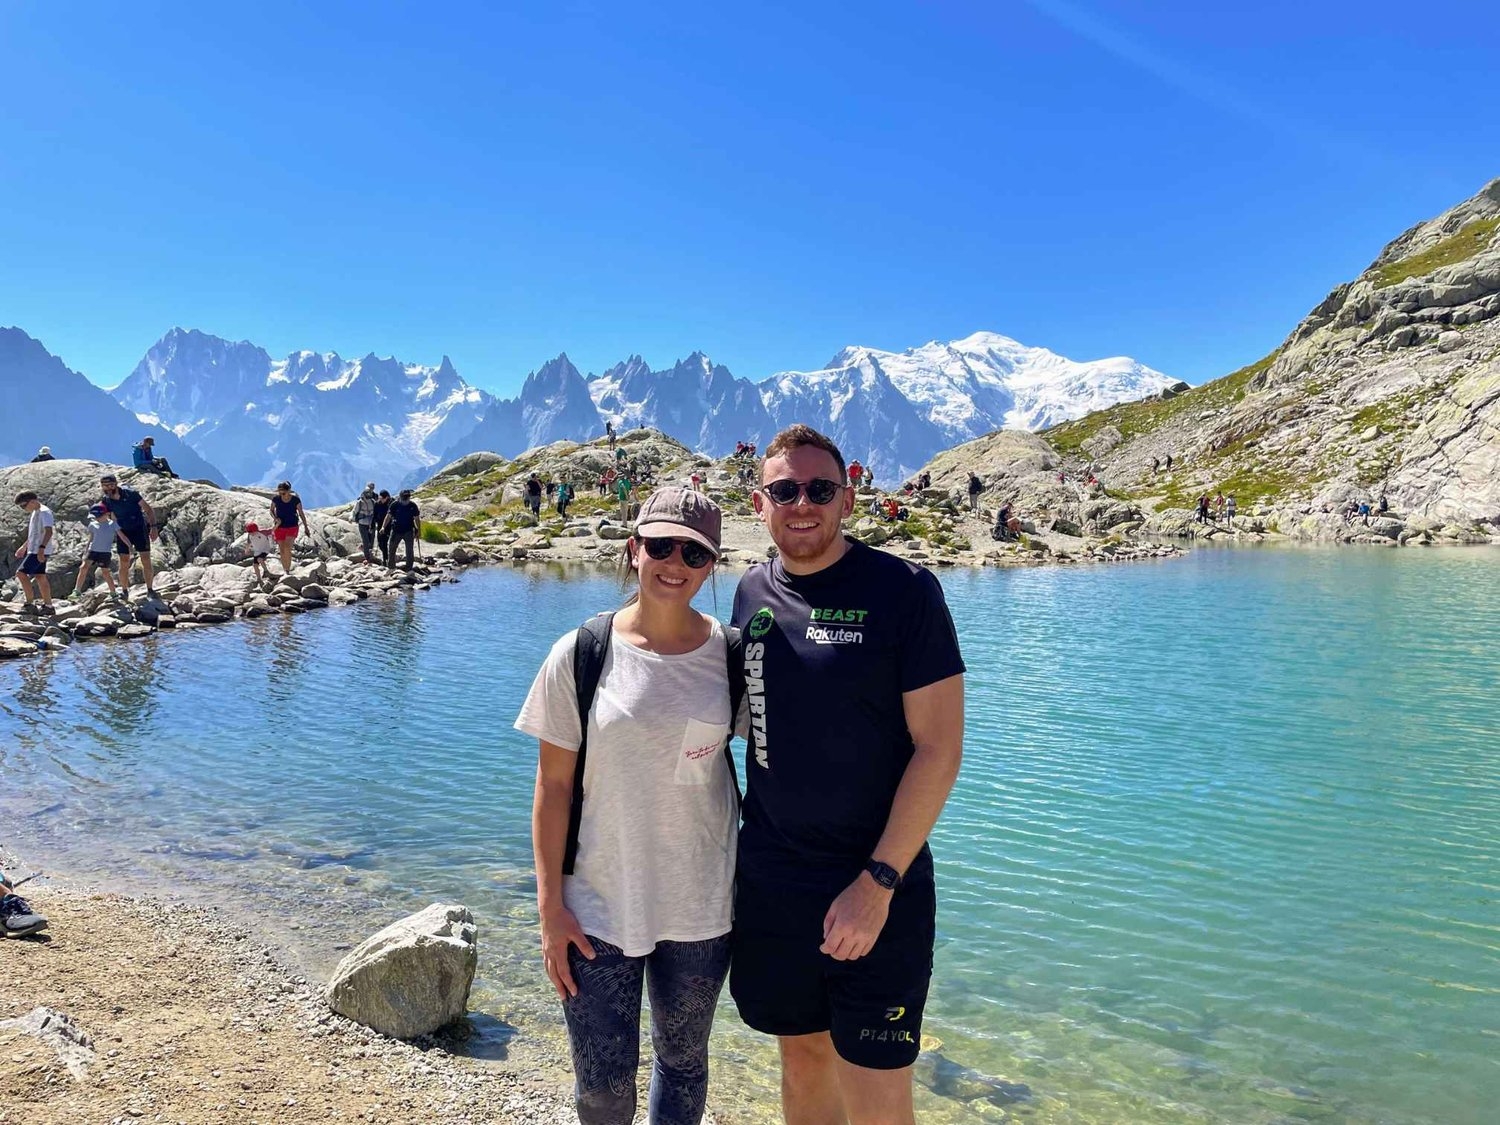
pixel 143 456
pixel 43 454
pixel 104 533
pixel 17 919
pixel 258 543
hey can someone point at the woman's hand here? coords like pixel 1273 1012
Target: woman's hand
pixel 560 930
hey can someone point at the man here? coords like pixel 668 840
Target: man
pixel 364 516
pixel 609 432
pixel 33 553
pixel 976 486
pixel 17 919
pixel 143 455
pixel 623 494
pixel 137 520
pixel 855 700
pixel 43 454
pixel 534 494
pixel 403 522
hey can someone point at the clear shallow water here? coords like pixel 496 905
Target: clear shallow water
pixel 1224 848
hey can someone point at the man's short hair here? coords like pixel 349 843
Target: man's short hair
pixel 797 435
pixel 25 497
pixel 109 478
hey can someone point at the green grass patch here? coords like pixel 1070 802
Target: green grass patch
pixel 435 531
pixel 1463 244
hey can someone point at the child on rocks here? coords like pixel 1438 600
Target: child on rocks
pixel 259 545
pixel 103 533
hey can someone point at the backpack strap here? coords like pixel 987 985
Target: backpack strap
pixel 735 644
pixel 589 650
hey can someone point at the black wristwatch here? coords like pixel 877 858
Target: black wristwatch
pixel 884 874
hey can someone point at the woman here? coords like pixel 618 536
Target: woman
pixel 650 891
pixel 286 515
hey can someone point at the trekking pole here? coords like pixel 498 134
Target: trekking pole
pixel 27 879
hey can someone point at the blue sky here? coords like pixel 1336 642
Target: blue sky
pixel 1178 182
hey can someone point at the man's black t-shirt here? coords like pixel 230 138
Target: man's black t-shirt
pixel 127 509
pixel 827 658
pixel 404 515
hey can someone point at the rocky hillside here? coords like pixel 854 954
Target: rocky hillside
pixel 1390 387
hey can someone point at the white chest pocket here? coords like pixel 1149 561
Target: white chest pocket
pixel 702 747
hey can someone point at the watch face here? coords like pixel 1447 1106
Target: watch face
pixel 884 874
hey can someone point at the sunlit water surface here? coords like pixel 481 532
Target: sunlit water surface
pixel 1224 847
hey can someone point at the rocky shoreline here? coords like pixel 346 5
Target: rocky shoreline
pixel 159 1011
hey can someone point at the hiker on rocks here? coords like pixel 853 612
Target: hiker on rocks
pixel 697 481
pixel 635 872
pixel 623 495
pixel 834 897
pixel 405 523
pixel 1219 506
pixel 1383 507
pixel 1229 509
pixel 258 542
pixel 17 919
pixel 565 494
pixel 856 474
pixel 1169 462
pixel 1202 516
pixel 609 433
pixel 869 477
pixel 287 516
pixel 33 553
pixel 104 533
pixel 534 494
pixel 143 456
pixel 924 482
pixel 1155 465
pixel 137 520
pixel 976 486
pixel 382 532
pixel 43 454
pixel 364 516
pixel 1006 526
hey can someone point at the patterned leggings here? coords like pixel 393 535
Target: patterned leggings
pixel 604 1027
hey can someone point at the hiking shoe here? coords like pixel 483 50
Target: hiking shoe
pixel 48 609
pixel 17 919
pixel 30 607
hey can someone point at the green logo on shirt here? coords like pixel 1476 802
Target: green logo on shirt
pixel 761 623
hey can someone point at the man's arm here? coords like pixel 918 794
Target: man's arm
pixel 47 530
pixel 150 518
pixel 935 717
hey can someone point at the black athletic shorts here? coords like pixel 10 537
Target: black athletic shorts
pixel 100 558
pixel 872 1006
pixel 140 540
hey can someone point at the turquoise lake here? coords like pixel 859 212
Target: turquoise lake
pixel 1226 845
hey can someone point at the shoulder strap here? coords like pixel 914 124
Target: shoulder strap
pixel 734 642
pixel 589 650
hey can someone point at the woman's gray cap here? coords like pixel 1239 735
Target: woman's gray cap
pixel 681 513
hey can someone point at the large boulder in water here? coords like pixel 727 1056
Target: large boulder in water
pixel 412 977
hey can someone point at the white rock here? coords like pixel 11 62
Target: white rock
pixel 412 977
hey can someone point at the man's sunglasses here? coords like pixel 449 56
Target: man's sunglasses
pixel 695 555
pixel 820 490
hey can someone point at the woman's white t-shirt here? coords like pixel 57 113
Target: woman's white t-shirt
pixel 656 843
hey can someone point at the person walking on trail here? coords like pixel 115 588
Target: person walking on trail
pixel 565 494
pixel 1229 509
pixel 835 902
pixel 364 516
pixel 976 486
pixel 17 919
pixel 1202 516
pixel 286 518
pixel 143 457
pixel 534 494
pixel 259 543
pixel 609 433
pixel 104 533
pixel 43 454
pixel 405 522
pixel 634 820
pixel 137 520
pixel 33 553
pixel 383 532
pixel 1219 506
pixel 1169 462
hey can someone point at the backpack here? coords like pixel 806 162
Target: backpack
pixel 589 650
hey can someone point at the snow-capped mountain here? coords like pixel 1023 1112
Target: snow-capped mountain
pixel 696 401
pixel 46 403
pixel 325 423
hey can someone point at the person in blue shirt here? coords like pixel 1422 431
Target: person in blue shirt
pixel 143 456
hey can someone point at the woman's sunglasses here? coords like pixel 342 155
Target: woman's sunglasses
pixel 695 555
pixel 820 490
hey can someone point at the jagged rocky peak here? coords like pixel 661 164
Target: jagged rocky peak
pixel 1439 276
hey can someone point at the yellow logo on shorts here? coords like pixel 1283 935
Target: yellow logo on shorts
pixel 894 1014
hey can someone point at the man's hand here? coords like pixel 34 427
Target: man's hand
pixel 855 919
pixel 21 550
pixel 560 929
pixel 151 533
